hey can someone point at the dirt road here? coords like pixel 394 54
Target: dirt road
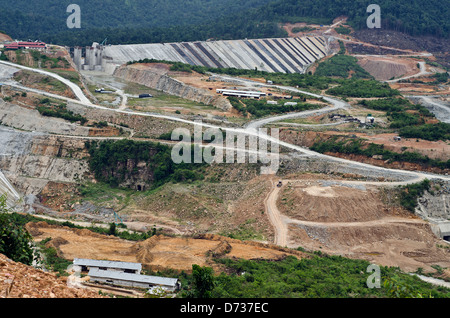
pixel 74 87
pixel 421 72
pixel 275 217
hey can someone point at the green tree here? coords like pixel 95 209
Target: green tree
pixel 396 289
pixel 15 241
pixel 112 229
pixel 203 282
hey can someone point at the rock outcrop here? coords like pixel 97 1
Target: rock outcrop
pixel 437 203
pixel 32 160
pixel 29 119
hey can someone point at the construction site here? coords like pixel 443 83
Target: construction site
pixel 340 204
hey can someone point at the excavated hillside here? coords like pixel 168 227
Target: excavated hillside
pixel 159 77
pixel 18 280
pixel 384 69
pixel 433 149
pixel 156 253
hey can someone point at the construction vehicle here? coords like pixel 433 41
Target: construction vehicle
pixel 117 218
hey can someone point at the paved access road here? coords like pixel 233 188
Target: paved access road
pixel 74 87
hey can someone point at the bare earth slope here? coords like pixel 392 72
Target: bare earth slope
pixel 21 281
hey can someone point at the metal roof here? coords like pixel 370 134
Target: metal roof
pixel 220 90
pixel 155 280
pixel 109 264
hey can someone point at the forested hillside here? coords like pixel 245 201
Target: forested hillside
pixel 138 21
pixel 120 20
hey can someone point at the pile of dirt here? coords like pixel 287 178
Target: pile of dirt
pixel 81 243
pixel 358 221
pixel 4 37
pixel 312 202
pixel 18 280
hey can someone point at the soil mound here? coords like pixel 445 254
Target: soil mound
pixel 18 280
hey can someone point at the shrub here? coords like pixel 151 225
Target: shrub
pixel 15 241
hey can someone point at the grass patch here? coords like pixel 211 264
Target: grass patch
pixel 260 108
pixel 46 108
pixel 363 88
pixel 244 232
pixel 344 66
pixel 409 119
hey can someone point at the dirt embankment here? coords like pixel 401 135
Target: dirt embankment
pixel 384 69
pixel 4 37
pixel 357 220
pixel 157 76
pixel 43 82
pixel 312 202
pixel 156 253
pixel 404 245
pixel 433 149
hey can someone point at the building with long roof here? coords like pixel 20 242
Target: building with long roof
pixel 132 280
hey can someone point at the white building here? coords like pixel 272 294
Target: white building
pixel 237 93
pixel 133 280
pixel 84 265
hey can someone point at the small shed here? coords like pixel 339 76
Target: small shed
pixel 133 280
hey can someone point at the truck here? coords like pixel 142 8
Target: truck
pixel 103 91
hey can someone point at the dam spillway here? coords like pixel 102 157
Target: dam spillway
pixel 285 55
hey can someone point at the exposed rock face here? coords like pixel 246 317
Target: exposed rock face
pixel 29 119
pixel 146 126
pixel 157 78
pixel 32 160
pixel 435 205
pixel 133 174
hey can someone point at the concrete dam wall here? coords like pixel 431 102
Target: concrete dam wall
pixel 286 55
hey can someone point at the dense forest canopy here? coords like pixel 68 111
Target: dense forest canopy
pixel 142 21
